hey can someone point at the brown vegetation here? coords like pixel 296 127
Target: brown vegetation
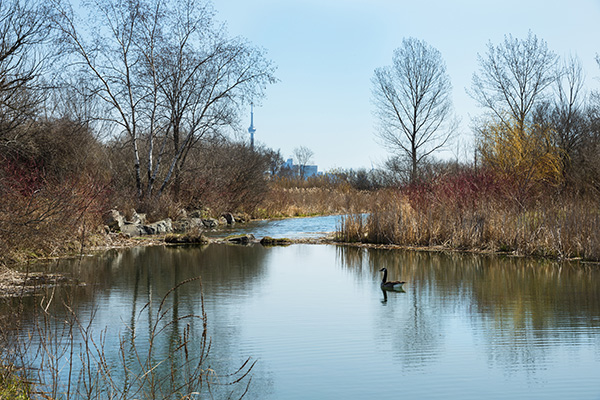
pixel 306 201
pixel 476 211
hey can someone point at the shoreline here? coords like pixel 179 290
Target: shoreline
pixel 15 283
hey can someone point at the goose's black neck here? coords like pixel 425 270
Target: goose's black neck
pixel 384 279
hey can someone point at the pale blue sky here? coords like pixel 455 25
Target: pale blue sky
pixel 326 52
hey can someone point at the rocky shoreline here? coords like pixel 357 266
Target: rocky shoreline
pixel 119 232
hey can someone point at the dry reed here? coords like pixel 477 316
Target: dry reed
pixel 563 228
pixel 299 202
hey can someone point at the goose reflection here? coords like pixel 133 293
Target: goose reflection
pixel 385 294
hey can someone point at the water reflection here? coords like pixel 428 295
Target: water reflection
pixel 130 295
pixel 384 293
pixel 320 326
pixel 516 307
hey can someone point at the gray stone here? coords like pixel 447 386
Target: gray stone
pixel 139 219
pixel 131 229
pixel 187 224
pixel 241 239
pixel 229 218
pixel 164 226
pixel 210 223
pixel 114 220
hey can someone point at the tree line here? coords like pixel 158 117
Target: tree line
pixel 126 104
pixel 131 104
pixel 155 77
pixel 539 127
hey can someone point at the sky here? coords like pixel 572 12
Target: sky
pixel 327 50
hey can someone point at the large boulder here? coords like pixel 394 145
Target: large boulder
pixel 210 223
pixel 164 226
pixel 137 227
pixel 114 220
pixel 131 229
pixel 139 219
pixel 187 224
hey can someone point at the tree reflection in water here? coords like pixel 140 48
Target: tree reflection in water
pixel 316 319
pixel 517 306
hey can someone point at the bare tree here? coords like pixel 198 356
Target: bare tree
pixel 412 99
pixel 565 114
pixel 204 83
pixel 167 73
pixel 105 50
pixel 304 156
pixel 25 32
pixel 513 77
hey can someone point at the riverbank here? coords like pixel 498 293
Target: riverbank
pixel 16 280
pixel 14 283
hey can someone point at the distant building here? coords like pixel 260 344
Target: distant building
pixel 308 170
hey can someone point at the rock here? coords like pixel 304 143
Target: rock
pixel 269 241
pixel 210 223
pixel 187 224
pixel 114 220
pixel 132 230
pixel 229 218
pixel 164 226
pixel 240 239
pixel 139 219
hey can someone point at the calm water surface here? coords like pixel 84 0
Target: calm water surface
pixel 319 327
pixel 293 228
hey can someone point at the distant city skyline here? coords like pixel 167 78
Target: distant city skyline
pixel 326 52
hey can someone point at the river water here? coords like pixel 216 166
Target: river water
pixel 318 326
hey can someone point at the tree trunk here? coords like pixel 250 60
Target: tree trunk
pixel 138 173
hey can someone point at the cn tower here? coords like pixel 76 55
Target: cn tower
pixel 251 130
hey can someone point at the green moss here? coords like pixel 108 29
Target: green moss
pixel 13 387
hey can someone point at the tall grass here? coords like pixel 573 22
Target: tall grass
pixel 477 214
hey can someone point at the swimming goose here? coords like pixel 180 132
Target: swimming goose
pixel 396 285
